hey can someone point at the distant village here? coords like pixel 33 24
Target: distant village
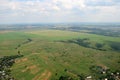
pixel 103 73
pixel 6 63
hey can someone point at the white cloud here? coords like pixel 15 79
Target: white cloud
pixel 59 10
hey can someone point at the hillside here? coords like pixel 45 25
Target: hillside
pixel 58 54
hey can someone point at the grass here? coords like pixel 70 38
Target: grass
pixel 48 54
pixel 63 35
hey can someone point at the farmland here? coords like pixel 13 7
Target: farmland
pixel 55 54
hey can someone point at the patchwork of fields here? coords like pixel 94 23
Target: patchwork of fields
pixel 49 54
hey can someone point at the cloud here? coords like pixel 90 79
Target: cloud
pixel 59 10
pixel 102 2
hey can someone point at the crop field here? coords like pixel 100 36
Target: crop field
pixel 54 54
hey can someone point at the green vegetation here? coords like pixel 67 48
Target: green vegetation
pixel 59 55
pixel 5 63
pixel 115 45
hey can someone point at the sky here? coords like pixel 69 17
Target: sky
pixel 57 11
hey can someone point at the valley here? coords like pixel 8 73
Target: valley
pixel 60 54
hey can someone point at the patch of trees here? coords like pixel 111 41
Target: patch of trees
pixel 85 43
pixel 6 63
pixel 77 77
pixel 115 45
pixel 26 42
pixel 99 46
pixel 81 76
pixel 65 78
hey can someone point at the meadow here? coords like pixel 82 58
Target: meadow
pixel 47 54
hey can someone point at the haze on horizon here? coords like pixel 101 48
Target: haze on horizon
pixel 49 11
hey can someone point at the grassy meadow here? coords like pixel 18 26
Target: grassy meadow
pixel 46 57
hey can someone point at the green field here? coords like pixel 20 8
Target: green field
pixel 46 57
